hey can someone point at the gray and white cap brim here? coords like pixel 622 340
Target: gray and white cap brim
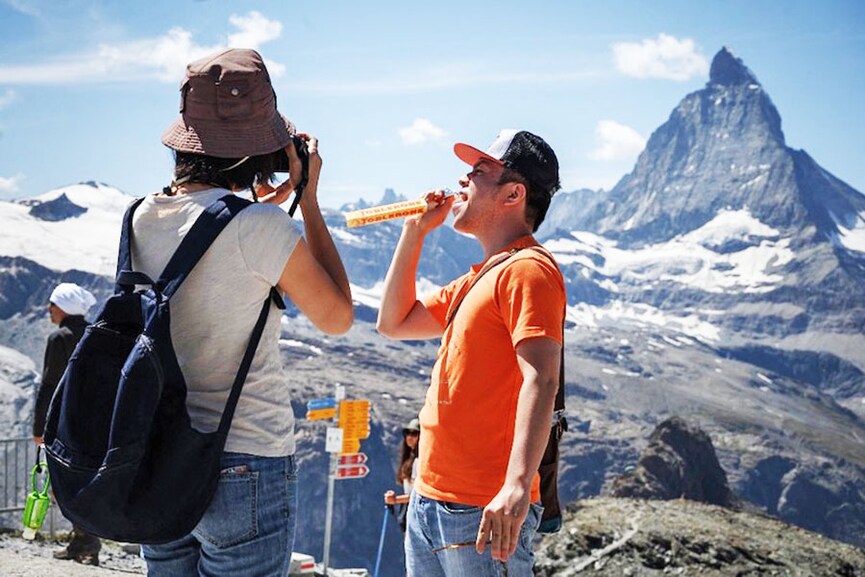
pixel 471 155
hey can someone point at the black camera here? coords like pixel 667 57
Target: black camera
pixel 282 165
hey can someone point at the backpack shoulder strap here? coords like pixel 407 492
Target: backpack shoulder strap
pixel 195 243
pixel 487 267
pixel 544 252
pixel 240 378
pixel 124 256
pixel 207 227
pixel 559 405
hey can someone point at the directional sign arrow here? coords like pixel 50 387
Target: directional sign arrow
pixel 352 459
pixel 319 414
pixel 354 407
pixel 325 403
pixel 352 472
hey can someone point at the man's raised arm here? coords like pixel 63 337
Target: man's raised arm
pixel 402 315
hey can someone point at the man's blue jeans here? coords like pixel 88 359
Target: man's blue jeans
pixel 440 542
pixel 248 528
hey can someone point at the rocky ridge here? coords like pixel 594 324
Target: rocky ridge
pixel 635 538
pixel 679 462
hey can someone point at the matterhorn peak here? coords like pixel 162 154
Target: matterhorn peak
pixel 729 70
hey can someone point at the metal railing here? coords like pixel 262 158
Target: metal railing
pixel 17 458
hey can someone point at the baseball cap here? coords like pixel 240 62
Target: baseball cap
pixel 521 151
pixel 411 426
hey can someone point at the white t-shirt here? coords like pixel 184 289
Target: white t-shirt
pixel 408 484
pixel 215 309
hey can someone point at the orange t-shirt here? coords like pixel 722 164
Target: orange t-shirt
pixel 468 419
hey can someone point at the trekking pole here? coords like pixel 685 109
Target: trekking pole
pixel 381 542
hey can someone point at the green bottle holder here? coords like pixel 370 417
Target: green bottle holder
pixel 38 502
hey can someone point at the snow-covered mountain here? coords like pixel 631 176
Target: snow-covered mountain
pixel 719 280
pixel 75 226
pixel 723 227
pixel 18 381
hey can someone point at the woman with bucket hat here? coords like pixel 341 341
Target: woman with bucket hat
pixel 230 138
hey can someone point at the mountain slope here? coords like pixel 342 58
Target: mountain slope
pixel 721 219
pixel 720 280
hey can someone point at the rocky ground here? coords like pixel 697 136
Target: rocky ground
pixel 635 538
pixel 20 558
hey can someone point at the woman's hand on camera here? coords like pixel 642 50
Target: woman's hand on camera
pixel 265 192
pixel 310 192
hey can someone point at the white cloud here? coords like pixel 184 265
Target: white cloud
pixel 253 30
pixel 11 185
pixel 6 98
pixel 616 141
pixel 420 132
pixel 667 57
pixel 163 58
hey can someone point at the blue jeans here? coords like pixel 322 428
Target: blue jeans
pixel 248 529
pixel 434 525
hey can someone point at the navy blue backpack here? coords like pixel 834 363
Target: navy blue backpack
pixel 124 460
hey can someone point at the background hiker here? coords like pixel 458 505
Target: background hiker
pixel 67 306
pixel 230 137
pixel 406 471
pixel 486 419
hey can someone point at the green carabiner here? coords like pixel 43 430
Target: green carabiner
pixel 38 502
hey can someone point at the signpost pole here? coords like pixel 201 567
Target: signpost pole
pixel 331 478
pixel 328 523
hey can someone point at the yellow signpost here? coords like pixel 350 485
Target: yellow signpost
pixel 354 419
pixel 354 410
pixel 354 422
pixel 352 426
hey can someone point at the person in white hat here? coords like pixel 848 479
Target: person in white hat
pixel 67 306
pixel 486 421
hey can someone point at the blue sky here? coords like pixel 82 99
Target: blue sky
pixel 88 86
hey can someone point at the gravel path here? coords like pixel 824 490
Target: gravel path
pixel 21 558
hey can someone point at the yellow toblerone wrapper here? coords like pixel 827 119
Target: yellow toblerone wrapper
pixel 385 212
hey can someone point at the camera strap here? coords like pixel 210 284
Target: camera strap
pixel 304 178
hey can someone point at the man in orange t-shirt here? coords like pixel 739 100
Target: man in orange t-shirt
pixel 486 419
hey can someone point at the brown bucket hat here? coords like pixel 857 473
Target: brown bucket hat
pixel 228 108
